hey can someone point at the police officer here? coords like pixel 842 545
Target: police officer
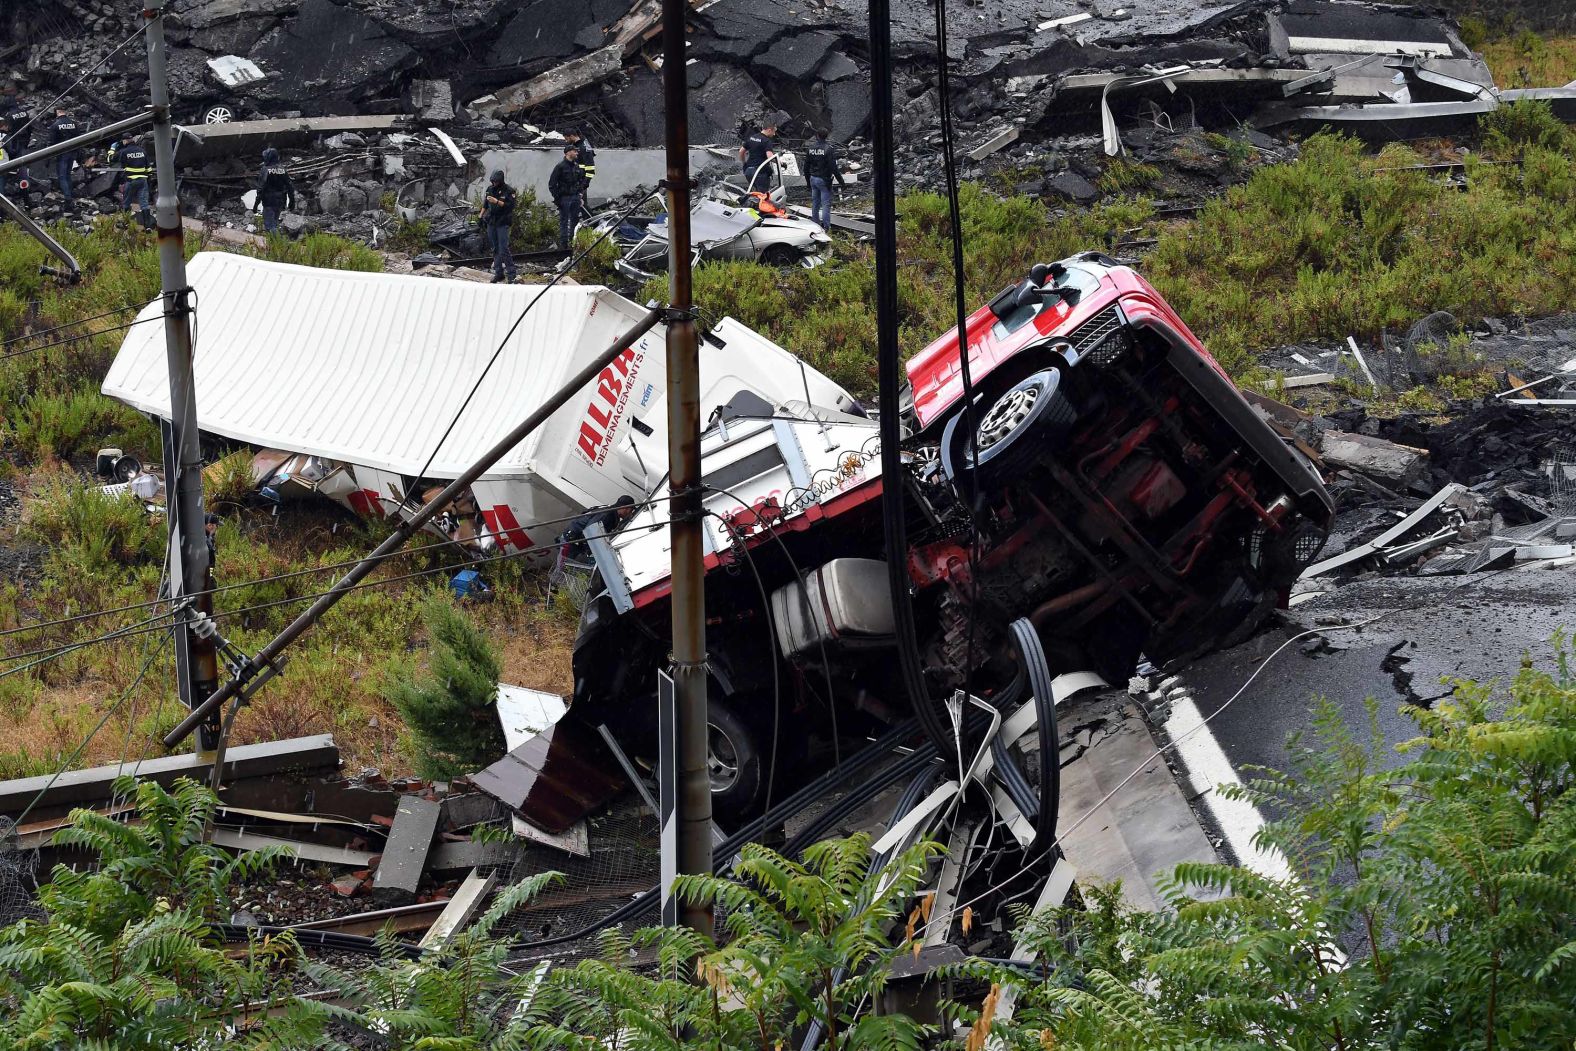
pixel 16 125
pixel 566 186
pixel 62 128
pixel 275 191
pixel 820 167
pixel 756 150
pixel 497 216
pixel 137 168
pixel 587 162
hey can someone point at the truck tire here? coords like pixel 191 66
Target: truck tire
pixel 1013 430
pixel 733 760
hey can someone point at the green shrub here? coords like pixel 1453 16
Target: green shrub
pixel 89 530
pixel 451 711
pixel 1512 126
pixel 410 237
pixel 535 223
pixel 70 425
pixel 598 267
pixel 1126 176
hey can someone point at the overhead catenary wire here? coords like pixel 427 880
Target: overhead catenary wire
pixel 70 324
pixel 518 321
pixel 77 753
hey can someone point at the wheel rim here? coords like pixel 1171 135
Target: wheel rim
pixel 722 759
pixel 218 115
pixel 1007 415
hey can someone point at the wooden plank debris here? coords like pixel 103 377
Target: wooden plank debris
pixel 460 910
pixel 302 755
pixel 302 850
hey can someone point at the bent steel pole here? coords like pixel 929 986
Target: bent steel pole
pixel 689 569
pixel 39 234
pixel 190 561
pixel 396 540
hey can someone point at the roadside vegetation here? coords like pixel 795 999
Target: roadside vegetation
pixel 75 550
pixel 1528 60
pixel 1434 910
pixel 1341 241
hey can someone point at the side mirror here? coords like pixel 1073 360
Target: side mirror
pixel 1028 292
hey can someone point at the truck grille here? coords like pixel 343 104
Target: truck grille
pixel 1101 339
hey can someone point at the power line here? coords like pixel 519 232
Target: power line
pixel 60 651
pixel 143 627
pixel 69 324
pixel 540 295
pixel 79 336
pixel 110 711
pixel 329 568
pixel 96 67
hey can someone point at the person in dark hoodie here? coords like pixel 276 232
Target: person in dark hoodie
pixel 275 191
pixel 497 219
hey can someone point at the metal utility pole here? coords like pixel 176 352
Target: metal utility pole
pixel 196 658
pixel 689 595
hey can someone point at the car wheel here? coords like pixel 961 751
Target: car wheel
pixel 1012 430
pixel 780 256
pixel 218 115
pixel 733 760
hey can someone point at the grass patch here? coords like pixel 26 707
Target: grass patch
pixel 1528 60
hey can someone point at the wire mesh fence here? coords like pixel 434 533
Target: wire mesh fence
pixel 18 871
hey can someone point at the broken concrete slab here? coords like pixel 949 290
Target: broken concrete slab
pixel 204 14
pixel 405 857
pixel 618 171
pixel 1399 466
pixel 1072 186
pixel 560 81
pixel 328 53
pixel 545 31
pixel 796 56
pixel 242 137
pixel 997 142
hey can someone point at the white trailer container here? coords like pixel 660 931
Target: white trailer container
pixel 368 370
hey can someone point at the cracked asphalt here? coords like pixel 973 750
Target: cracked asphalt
pixel 1434 629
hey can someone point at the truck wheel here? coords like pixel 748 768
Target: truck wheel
pixel 733 760
pixel 1012 430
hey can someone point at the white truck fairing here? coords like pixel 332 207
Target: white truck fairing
pixel 368 370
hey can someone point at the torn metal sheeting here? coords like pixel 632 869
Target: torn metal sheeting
pixel 523 713
pixel 555 779
pixel 1389 536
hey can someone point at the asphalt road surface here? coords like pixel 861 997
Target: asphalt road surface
pixel 1433 628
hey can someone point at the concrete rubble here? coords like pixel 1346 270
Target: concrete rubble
pixel 1034 85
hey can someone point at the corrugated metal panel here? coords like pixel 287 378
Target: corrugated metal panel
pixel 554 779
pixel 369 368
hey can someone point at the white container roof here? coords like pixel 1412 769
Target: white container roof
pixel 370 368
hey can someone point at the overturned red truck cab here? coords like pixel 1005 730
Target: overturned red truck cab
pixel 1121 495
